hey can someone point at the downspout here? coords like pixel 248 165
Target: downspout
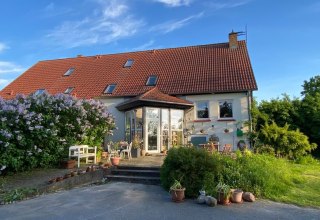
pixel 249 101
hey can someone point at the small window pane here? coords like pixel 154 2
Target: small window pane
pixel 110 89
pixel 202 110
pixel 152 80
pixel 69 71
pixel 225 109
pixel 68 90
pixel 39 91
pixel 128 63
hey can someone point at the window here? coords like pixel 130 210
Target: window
pixel 152 80
pixel 128 63
pixel 110 88
pixel 68 90
pixel 202 109
pixel 225 108
pixel 39 91
pixel 69 72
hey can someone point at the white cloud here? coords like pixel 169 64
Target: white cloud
pixel 9 67
pixel 3 47
pixel 175 3
pixel 145 46
pixel 110 23
pixel 4 82
pixel 222 4
pixel 112 9
pixel 173 25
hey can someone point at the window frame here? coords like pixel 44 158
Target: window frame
pixel 149 79
pixel 229 101
pixel 67 90
pixel 69 71
pixel 128 63
pixel 39 91
pixel 108 88
pixel 196 109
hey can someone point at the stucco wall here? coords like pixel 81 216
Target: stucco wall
pixel 111 104
pixel 215 125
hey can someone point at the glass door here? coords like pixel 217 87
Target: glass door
pixel 164 129
pixel 153 125
pixel 176 127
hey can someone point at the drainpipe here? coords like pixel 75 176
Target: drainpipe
pixel 249 101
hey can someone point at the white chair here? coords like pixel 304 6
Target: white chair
pixel 127 151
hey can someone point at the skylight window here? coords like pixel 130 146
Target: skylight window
pixel 69 71
pixel 152 81
pixel 128 63
pixel 68 90
pixel 110 89
pixel 39 91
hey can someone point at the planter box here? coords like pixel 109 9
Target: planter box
pixel 136 152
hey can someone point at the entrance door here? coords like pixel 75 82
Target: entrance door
pixel 153 129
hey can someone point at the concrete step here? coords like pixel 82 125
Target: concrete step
pixel 134 172
pixel 134 179
pixel 124 167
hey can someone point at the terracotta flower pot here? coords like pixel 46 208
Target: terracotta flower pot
pixel 68 164
pixel 115 161
pixel 177 195
pixel 237 196
pixel 222 200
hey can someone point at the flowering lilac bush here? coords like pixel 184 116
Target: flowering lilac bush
pixel 37 130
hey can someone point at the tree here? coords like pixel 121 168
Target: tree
pixel 312 86
pixel 281 111
pixel 287 143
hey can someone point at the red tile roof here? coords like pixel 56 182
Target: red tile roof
pixel 153 96
pixel 212 68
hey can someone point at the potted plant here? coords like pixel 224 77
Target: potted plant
pixel 68 163
pixel 136 151
pixel 223 193
pixel 115 159
pixel 177 191
pixel 237 196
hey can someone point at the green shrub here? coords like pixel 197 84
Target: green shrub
pixel 264 175
pixel 286 143
pixel 189 166
pixel 37 130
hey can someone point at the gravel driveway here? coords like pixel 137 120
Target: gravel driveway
pixel 136 201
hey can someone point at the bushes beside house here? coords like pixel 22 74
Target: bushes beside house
pixel 263 175
pixel 37 130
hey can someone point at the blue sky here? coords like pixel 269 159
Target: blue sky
pixel 283 36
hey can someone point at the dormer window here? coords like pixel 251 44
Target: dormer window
pixel 110 88
pixel 68 90
pixel 128 63
pixel 69 71
pixel 152 81
pixel 39 91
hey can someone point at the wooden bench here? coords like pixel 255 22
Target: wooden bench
pixel 83 151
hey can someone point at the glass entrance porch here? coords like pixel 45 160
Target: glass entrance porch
pixel 158 128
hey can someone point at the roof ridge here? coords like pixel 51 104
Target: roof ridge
pixel 141 51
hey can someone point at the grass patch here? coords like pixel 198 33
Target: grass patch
pixel 304 188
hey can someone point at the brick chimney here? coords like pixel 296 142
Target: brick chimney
pixel 233 40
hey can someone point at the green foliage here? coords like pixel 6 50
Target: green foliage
pixel 312 86
pixel 36 131
pixel 282 111
pixel 199 170
pixel 189 165
pixel 18 194
pixel 287 143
